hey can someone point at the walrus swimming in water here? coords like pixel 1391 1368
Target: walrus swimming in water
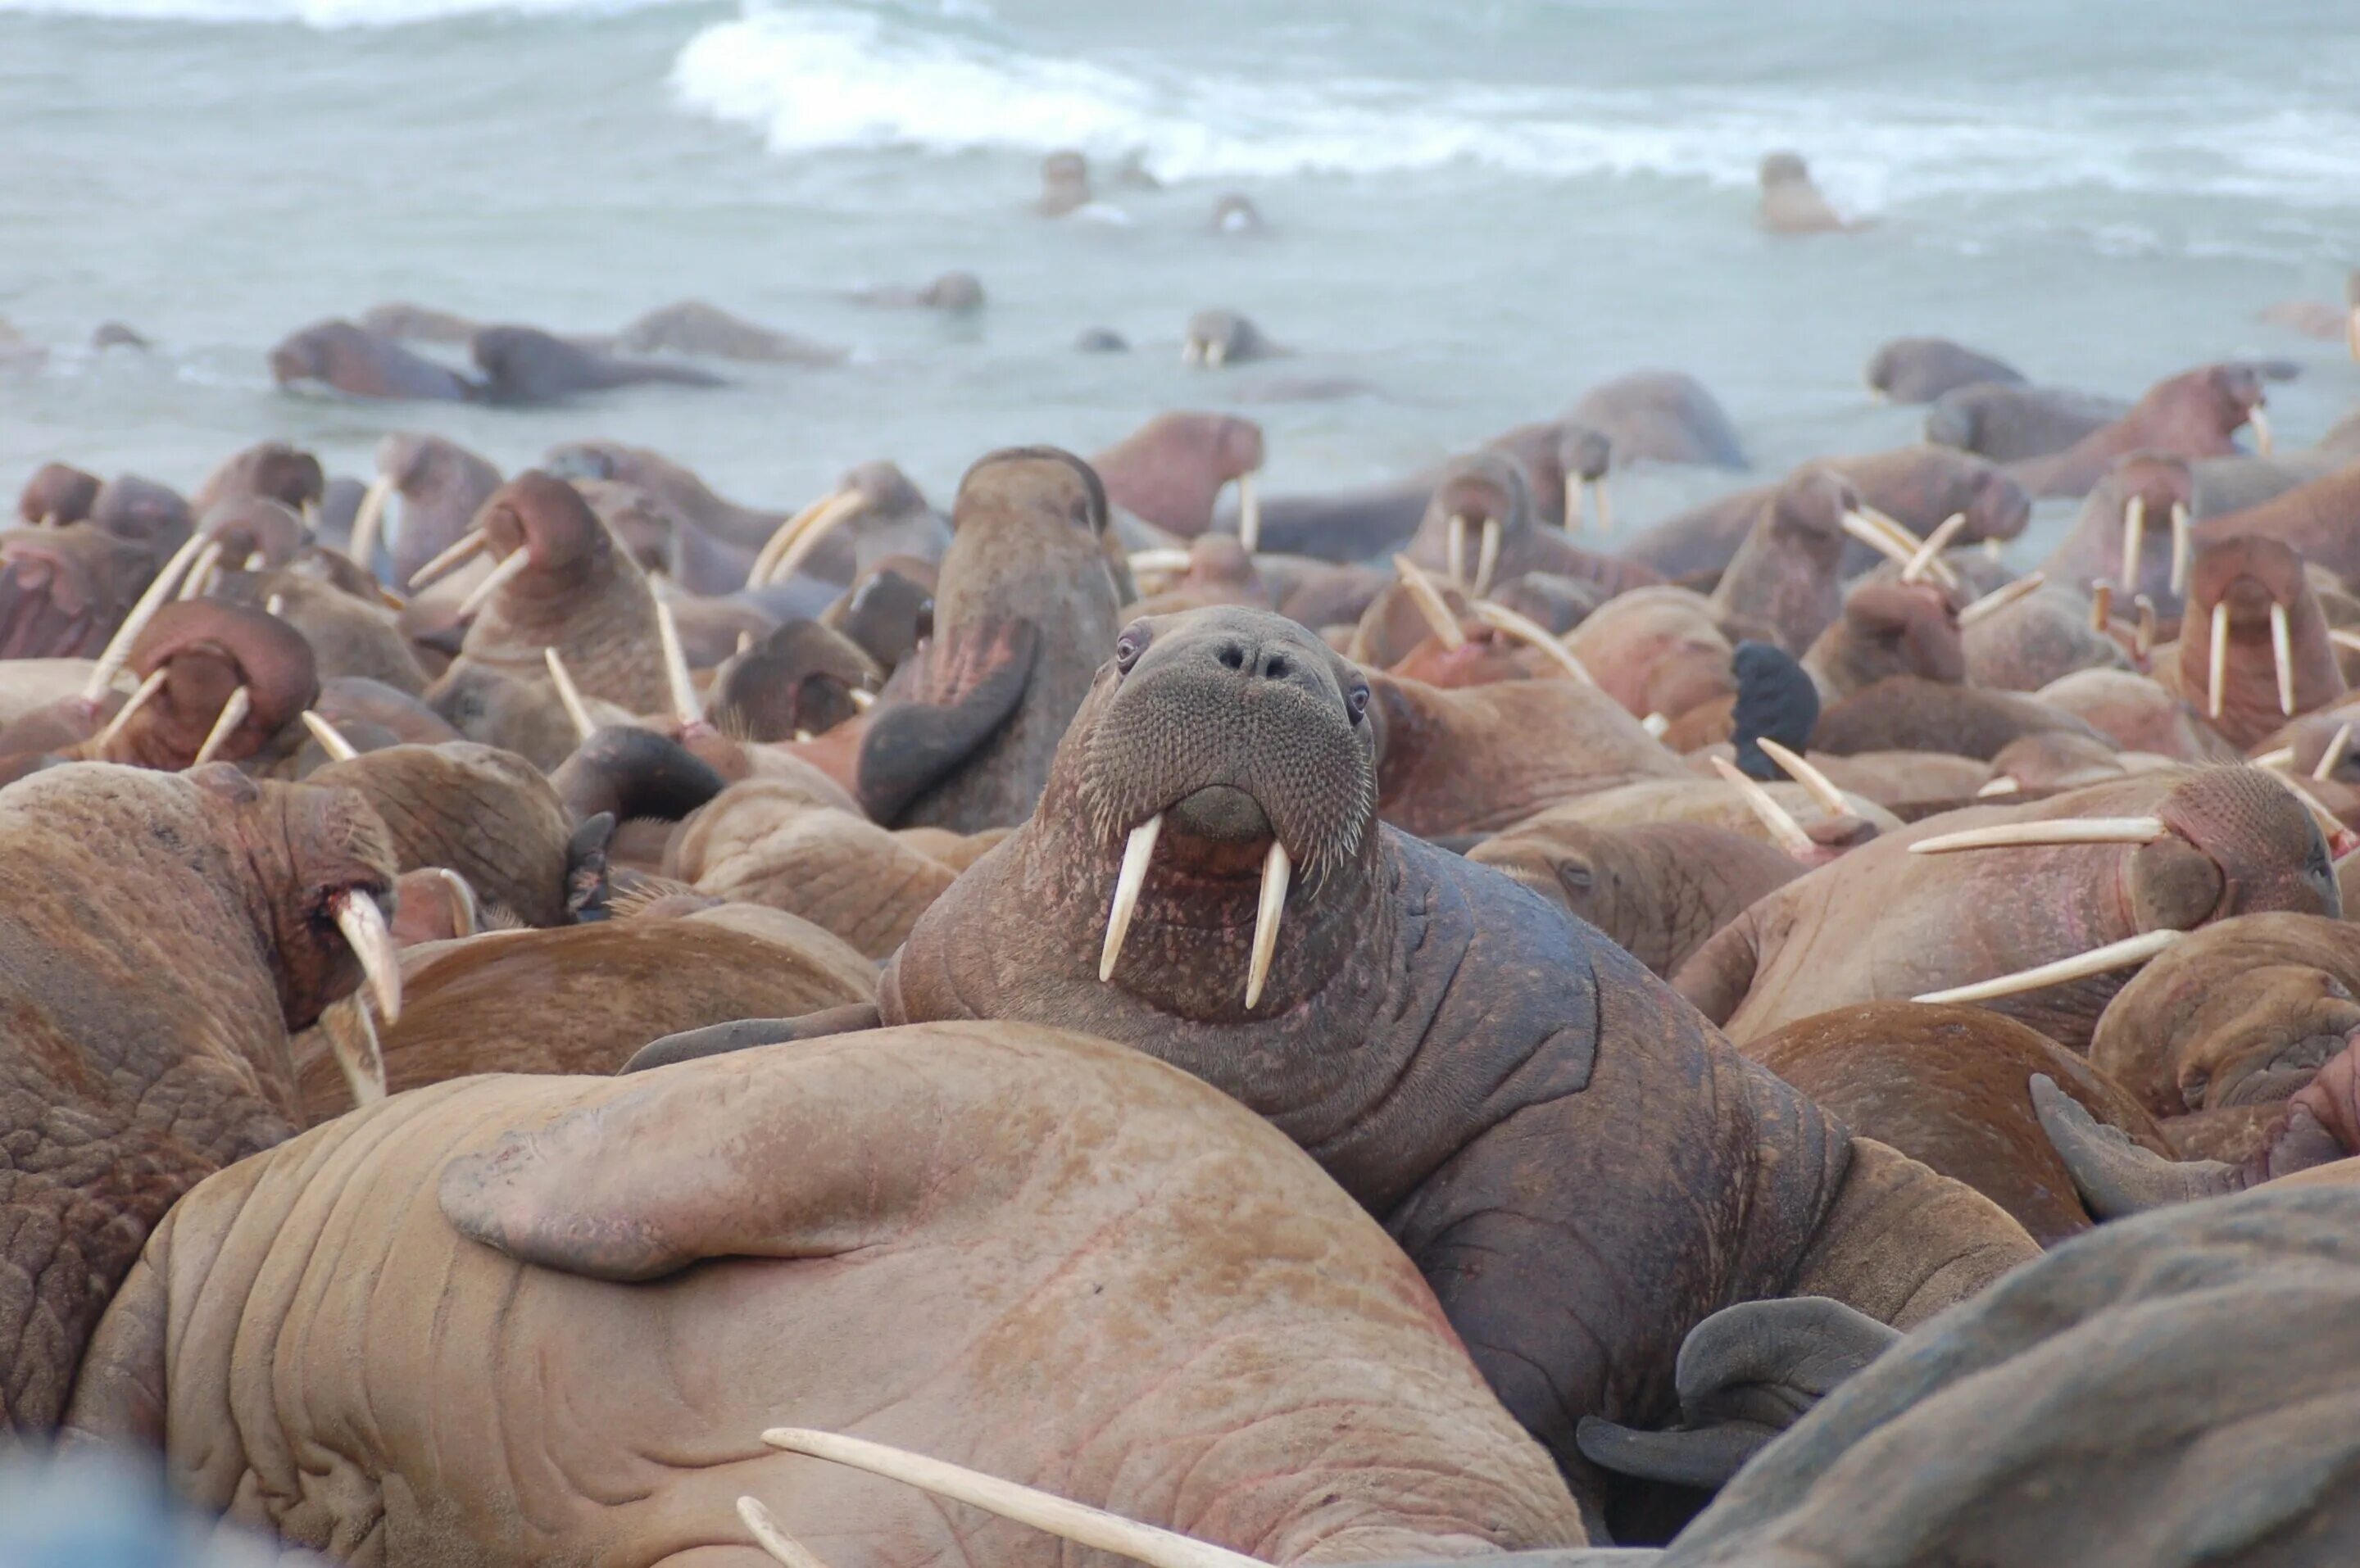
pixel 362 363
pixel 527 366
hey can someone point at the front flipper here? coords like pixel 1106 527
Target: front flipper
pixel 1716 975
pixel 744 1034
pixel 941 706
pixel 2116 1177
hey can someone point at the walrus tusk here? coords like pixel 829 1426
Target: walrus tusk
pixel 138 700
pixel 368 522
pixel 1487 556
pixel 1876 538
pixel 684 705
pixel 2182 548
pixel 1146 561
pixel 2282 655
pixel 2218 674
pixel 505 572
pixel 568 693
pixel 1191 351
pixel 2003 785
pixel 767 1534
pixel 466 915
pixel 1775 817
pixel 275 604
pixel 2001 597
pixel 2054 829
pixel 1904 540
pixel 786 534
pixel 1137 851
pixel 2282 757
pixel 862 700
pixel 48 520
pixel 2143 642
pixel 2123 955
pixel 824 522
pixel 463 550
pixel 232 714
pixel 1069 1521
pixel 1277 871
pixel 1217 354
pixel 2133 538
pixel 1248 513
pixel 1525 629
pixel 1930 552
pixel 363 923
pixel 1822 788
pixel 2332 758
pixel 111 659
pixel 332 739
pixel 1573 507
pixel 1992 550
pixel 2102 606
pixel 1430 603
pixel 2352 331
pixel 2343 639
pixel 1605 509
pixel 1654 724
pixel 200 575
pixel 361 1061
pixel 1454 554
pixel 2254 416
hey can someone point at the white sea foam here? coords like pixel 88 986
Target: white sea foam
pixel 319 14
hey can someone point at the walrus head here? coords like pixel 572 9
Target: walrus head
pixel 57 495
pixel 1785 169
pixel 218 680
pixel 1226 759
pixel 2254 650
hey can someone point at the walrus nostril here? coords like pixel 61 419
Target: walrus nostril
pixel 1233 656
pixel 1277 668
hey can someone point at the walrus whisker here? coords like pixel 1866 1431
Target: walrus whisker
pixel 232 714
pixel 2102 605
pixel 1138 850
pixel 369 522
pixel 1823 788
pixel 2330 827
pixel 2001 597
pixel 2282 655
pixel 831 514
pixel 1060 1516
pixel 685 707
pixel 2053 831
pixel 1430 603
pixel 138 700
pixel 363 923
pixel 764 1526
pixel 2183 546
pixel 2332 758
pixel 1277 871
pixel 568 693
pixel 1774 816
pixel 111 659
pixel 2114 955
pixel 2218 674
pixel 332 739
pixel 1487 556
pixel 2003 785
pixel 1454 553
pixel 465 549
pixel 2263 443
pixel 361 1061
pixel 1526 630
pixel 2133 536
pixel 506 571
pixel 466 915
pixel 1249 513
pixel 200 575
pixel 1931 550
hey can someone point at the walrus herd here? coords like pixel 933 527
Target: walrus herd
pixel 559 1016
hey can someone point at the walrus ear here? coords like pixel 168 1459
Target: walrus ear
pixel 945 702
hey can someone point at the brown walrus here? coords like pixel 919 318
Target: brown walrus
pixel 361 364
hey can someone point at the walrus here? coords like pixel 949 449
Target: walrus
pixel 1064 184
pixel 439 484
pixel 525 365
pixel 692 326
pixel 1482 528
pixel 2189 415
pixel 57 493
pixel 1215 338
pixel 420 323
pixel 2010 421
pixel 2313 519
pixel 2254 650
pixel 361 364
pixel 1171 469
pixel 1791 202
pixel 1235 214
pixel 1919 370
pixel 1661 415
pixel 1783 577
pixel 268 468
pixel 954 292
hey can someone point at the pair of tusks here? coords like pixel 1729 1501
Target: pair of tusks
pixel 2281 656
pixel 1211 356
pixel 1575 517
pixel 1892 540
pixel 1060 1516
pixel 2001 597
pixel 369 522
pixel 1139 850
pixel 468 546
pixel 1776 818
pixel 2134 543
pixel 784 552
pixel 371 940
pixel 1487 553
pixel 1445 625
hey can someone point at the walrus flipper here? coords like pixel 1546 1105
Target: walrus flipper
pixel 939 709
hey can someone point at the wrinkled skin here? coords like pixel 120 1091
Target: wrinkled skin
pixel 1888 628
pixel 2315 519
pixel 1908 712
pixel 439 485
pixel 2189 415
pixel 1492 486
pixel 2137 714
pixel 2041 637
pixel 142 512
pixel 694 326
pixel 1791 203
pixel 1267 1372
pixel 1171 469
pixel 1660 415
pixel 2010 423
pixel 1784 576
pixel 2250 576
pixel 1656 650
pixel 1885 924
pixel 482 704
pixel 1909 785
pixel 1947 1087
pixel 1919 370
pixel 526 367
pixel 962 736
pixel 255 533
pixel 1657 889
pixel 2091 550
pixel 361 364
pixel 486 814
pixel 2048 763
pixel 1477 1069
pixel 272 470
pixel 159 935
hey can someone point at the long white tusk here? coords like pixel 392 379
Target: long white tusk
pixel 2332 758
pixel 1892 528
pixel 225 724
pixel 568 693
pixel 1936 543
pixel 782 536
pixel 520 561
pixel 2261 423
pixel 2003 785
pixel 764 1525
pixel 1487 556
pixel 466 915
pixel 2343 639
pixel 2103 960
pixel 462 551
pixel 824 522
pixel 1430 603
pixel 2282 655
pixel 1277 871
pixel 684 705
pixel 361 1061
pixel 1877 539
pixel 2001 597
pixel 2134 539
pixel 1573 492
pixel 1525 629
pixel 1774 817
pixel 1144 562
pixel 2183 547
pixel 369 522
pixel 2102 606
pixel 1454 554
pixel 332 739
pixel 200 575
pixel 138 700
pixel 1822 788
pixel 2219 673
pixel 1605 509
pixel 1137 851
pixel 371 940
pixel 2053 830
pixel 1248 513
pixel 112 658
pixel 1076 1523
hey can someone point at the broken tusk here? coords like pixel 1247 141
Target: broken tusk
pixel 1430 603
pixel 1822 788
pixel 1454 553
pixel 2282 655
pixel 1137 851
pixel 2001 597
pixel 2332 758
pixel 2261 423
pixel 2134 539
pixel 2102 606
pixel 368 523
pixel 225 724
pixel 1777 818
pixel 2218 674
pixel 1936 543
pixel 684 705
pixel 1248 513
pixel 505 572
pixel 111 658
pixel 200 575
pixel 1487 557
pixel 767 1534
pixel 1069 1521
pixel 1276 871
pixel 461 552
pixel 568 693
pixel 2003 785
pixel 366 931
pixel 2183 548
pixel 2049 831
pixel 332 739
pixel 362 1059
pixel 1526 630
pixel 138 700
pixel 275 604
pixel 2104 960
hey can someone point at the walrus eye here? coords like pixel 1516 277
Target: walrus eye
pixel 1127 647
pixel 1356 702
pixel 1575 875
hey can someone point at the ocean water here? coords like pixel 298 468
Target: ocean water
pixel 1477 208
